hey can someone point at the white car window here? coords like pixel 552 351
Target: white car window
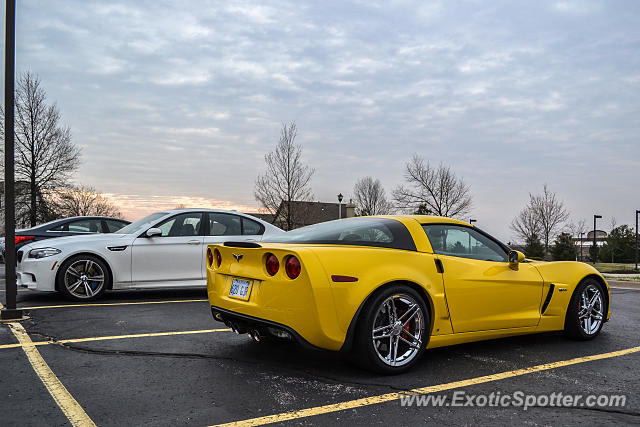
pixel 224 225
pixel 187 224
pixel 141 224
pixel 251 228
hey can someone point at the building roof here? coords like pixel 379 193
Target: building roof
pixel 307 213
pixel 600 234
pixel 20 186
pixel 268 217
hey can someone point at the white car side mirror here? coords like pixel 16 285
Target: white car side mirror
pixel 153 232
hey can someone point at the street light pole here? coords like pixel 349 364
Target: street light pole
pixel 636 257
pixel 595 247
pixel 11 291
pixel 340 205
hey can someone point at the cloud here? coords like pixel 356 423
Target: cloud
pixel 135 206
pixel 173 98
pixel 576 6
pixel 183 77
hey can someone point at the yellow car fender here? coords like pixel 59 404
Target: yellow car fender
pixel 375 268
pixel 565 276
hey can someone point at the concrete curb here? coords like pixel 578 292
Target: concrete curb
pixel 621 284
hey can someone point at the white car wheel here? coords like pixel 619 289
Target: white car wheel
pixel 83 277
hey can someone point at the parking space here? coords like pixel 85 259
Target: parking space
pixel 158 358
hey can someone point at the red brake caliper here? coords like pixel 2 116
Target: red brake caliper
pixel 405 327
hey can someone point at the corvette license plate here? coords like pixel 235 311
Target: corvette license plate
pixel 240 289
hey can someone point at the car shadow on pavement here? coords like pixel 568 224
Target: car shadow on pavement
pixel 437 366
pixel 33 298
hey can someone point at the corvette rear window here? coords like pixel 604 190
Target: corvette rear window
pixel 377 232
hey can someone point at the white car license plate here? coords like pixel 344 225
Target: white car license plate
pixel 240 289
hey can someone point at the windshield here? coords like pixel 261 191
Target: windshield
pixel 141 224
pixel 378 232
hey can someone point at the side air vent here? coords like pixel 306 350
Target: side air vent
pixel 439 266
pixel 548 299
pixel 242 245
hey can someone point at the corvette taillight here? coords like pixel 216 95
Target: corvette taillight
pixel 292 267
pixel 209 257
pixel 218 257
pixel 272 264
pixel 22 239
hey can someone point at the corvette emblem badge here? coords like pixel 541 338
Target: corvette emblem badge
pixel 237 257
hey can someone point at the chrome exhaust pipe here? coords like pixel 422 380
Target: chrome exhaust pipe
pixel 255 335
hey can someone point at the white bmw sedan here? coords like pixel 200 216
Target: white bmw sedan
pixel 164 249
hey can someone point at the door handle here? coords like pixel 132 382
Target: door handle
pixel 193 242
pixel 439 266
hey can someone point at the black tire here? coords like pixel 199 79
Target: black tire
pixel 575 323
pixel 79 271
pixel 376 354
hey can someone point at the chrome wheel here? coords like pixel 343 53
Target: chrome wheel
pixel 398 330
pixel 84 279
pixel 590 309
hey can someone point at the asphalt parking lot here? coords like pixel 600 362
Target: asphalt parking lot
pixel 158 358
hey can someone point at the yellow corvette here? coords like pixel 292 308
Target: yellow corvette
pixel 386 288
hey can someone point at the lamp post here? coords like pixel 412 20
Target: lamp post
pixel 581 245
pixel 636 254
pixel 340 205
pixel 595 247
pixel 10 312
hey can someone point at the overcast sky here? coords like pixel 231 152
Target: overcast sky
pixel 177 102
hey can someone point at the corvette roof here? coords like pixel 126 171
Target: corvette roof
pixel 426 219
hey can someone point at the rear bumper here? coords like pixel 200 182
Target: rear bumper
pixel 292 305
pixel 243 323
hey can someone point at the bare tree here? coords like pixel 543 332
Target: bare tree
pixel 433 189
pixel 45 155
pixel 577 230
pixel 82 201
pixel 550 212
pixel 526 225
pixel 370 197
pixel 286 178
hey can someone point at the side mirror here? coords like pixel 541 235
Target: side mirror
pixel 516 257
pixel 153 232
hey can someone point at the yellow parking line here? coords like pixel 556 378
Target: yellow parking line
pixel 112 337
pixel 111 304
pixel 319 410
pixel 71 408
